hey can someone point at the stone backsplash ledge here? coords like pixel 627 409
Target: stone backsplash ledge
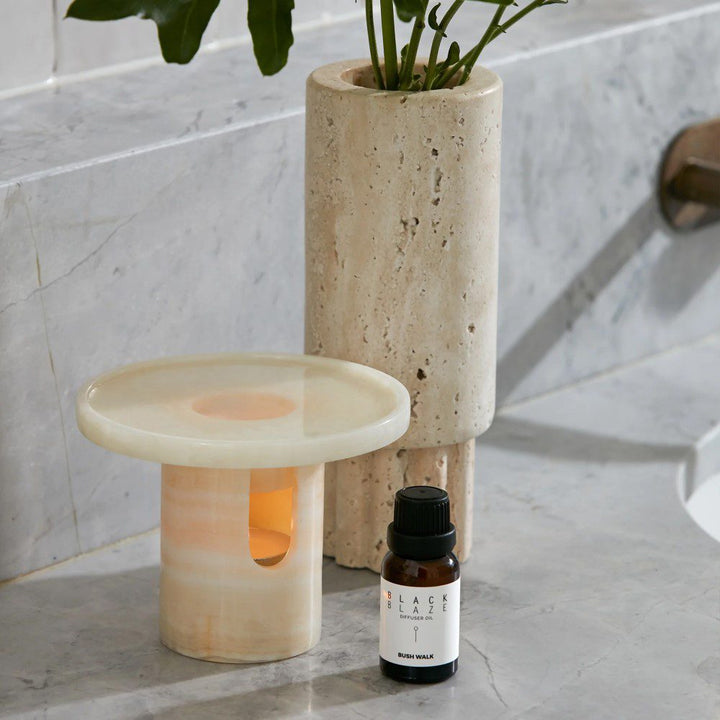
pixel 161 212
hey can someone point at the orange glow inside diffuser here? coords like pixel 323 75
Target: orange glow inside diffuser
pixel 271 514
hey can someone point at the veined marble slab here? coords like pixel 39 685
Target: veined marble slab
pixel 591 592
pixel 591 277
pixel 135 261
pixel 53 130
pixel 84 46
pixel 133 228
pixel 24 25
pixel 39 43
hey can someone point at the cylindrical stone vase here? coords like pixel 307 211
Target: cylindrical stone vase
pixel 402 205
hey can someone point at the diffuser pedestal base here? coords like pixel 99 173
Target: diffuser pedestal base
pixel 241 550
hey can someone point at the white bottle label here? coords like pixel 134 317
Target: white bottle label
pixel 419 626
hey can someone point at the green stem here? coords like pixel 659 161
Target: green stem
pixel 490 34
pixel 370 22
pixel 521 14
pixel 492 30
pixel 437 40
pixel 406 73
pixel 387 14
pixel 496 29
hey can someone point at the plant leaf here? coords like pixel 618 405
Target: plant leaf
pixel 408 10
pixel 180 23
pixel 270 23
pixel 433 21
pixel 453 54
pixel 452 57
pixel 510 2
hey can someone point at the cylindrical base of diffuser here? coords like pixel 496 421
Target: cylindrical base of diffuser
pixel 217 601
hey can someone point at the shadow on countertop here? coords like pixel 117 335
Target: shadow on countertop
pixel 291 699
pixel 553 441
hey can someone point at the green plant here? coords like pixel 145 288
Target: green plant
pixel 181 24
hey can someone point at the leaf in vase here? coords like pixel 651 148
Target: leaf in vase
pixel 180 23
pixel 433 21
pixel 408 10
pixel 270 23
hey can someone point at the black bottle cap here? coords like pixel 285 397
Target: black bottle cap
pixel 421 528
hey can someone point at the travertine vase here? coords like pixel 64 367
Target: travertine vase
pixel 402 205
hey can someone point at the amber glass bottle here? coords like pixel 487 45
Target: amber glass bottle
pixel 420 589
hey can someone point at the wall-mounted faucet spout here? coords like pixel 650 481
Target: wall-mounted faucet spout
pixel 690 177
pixel 697 181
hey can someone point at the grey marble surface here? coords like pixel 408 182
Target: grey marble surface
pixel 591 593
pixel 591 276
pixel 161 212
pixel 85 46
pixel 181 262
pixel 38 42
pixel 82 45
pixel 23 25
pixel 51 131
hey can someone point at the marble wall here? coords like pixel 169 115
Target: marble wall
pixel 591 276
pixel 23 25
pixel 130 260
pixel 62 46
pixel 131 229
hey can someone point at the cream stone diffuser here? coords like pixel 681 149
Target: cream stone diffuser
pixel 242 440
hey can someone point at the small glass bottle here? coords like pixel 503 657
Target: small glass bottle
pixel 420 589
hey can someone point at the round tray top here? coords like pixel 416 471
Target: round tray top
pixel 243 410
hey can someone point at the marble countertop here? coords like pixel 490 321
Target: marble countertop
pixel 591 593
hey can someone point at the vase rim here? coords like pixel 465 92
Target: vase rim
pixel 334 76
